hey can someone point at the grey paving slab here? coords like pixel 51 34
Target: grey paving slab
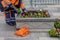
pixel 35 24
pixel 32 36
pixel 45 36
pixel 51 19
pixel 5 27
pixel 7 32
pixel 15 39
pixel 10 34
pixel 1 38
pixel 39 30
pixel 48 38
pixel 21 39
pixel 1 19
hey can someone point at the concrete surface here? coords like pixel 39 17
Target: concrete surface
pixel 7 33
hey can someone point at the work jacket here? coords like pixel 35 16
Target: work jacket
pixel 6 2
pixel 14 2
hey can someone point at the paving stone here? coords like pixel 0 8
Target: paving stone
pixel 5 27
pixel 1 38
pixel 32 36
pixel 39 30
pixel 21 39
pixel 48 38
pixel 36 24
pixel 7 32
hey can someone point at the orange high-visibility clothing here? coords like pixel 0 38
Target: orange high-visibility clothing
pixel 14 2
pixel 22 4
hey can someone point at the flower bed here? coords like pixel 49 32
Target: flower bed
pixel 35 14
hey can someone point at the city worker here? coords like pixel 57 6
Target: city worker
pixel 9 11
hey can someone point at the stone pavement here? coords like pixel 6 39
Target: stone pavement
pixel 7 33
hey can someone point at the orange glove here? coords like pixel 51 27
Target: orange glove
pixel 22 32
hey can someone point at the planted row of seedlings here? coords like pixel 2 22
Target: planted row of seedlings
pixel 35 14
pixel 55 32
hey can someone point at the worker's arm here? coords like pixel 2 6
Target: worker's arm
pixel 22 6
pixel 5 5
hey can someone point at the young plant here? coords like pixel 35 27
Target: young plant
pixel 53 33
